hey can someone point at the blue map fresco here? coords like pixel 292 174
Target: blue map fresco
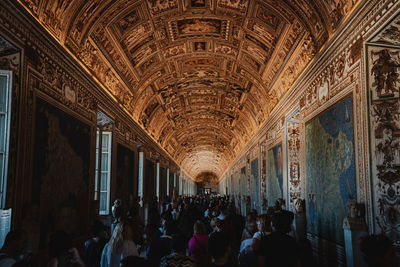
pixel 275 174
pixel 254 183
pixel 330 177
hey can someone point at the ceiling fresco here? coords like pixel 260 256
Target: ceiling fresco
pixel 200 76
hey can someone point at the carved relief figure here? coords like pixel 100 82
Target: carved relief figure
pixel 159 6
pixel 385 72
pixel 268 17
pixel 238 5
pixel 128 21
pixel 199 46
pixel 198 3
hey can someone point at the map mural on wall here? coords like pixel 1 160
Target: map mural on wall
pixel 254 184
pixel 275 174
pixel 236 179
pixel 125 173
pixel 293 160
pixel 330 175
pixel 383 83
pixel 149 181
pixel 61 171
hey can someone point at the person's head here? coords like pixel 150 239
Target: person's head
pixel 15 242
pixel 224 211
pixel 169 228
pixel 270 210
pixel 263 223
pixel 378 251
pixel 179 243
pixel 59 244
pixel 97 228
pixel 132 261
pixel 281 222
pixel 122 231
pixel 251 225
pixel 215 223
pixel 253 211
pixel 279 204
pixel 218 246
pixel 199 228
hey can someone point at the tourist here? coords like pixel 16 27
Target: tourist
pixel 62 253
pixel 278 248
pixel 14 245
pixel 161 246
pixel 177 258
pixel 94 246
pixel 378 251
pixel 220 250
pixel 198 244
pixel 120 246
pixel 264 229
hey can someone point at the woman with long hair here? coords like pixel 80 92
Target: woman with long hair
pixel 198 244
pixel 264 229
pixel 120 246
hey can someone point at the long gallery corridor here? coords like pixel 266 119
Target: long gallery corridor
pixel 199 133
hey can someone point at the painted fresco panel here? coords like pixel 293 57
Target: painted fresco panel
pixel 61 171
pixel 240 6
pixel 293 159
pixel 330 175
pixel 198 3
pixel 124 179
pixel 275 174
pixel 384 115
pixel 195 26
pixel 254 184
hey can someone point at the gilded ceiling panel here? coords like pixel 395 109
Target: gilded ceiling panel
pixel 200 76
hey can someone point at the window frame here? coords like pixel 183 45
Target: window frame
pixel 99 169
pixel 7 122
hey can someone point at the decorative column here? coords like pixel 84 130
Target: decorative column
pixel 354 227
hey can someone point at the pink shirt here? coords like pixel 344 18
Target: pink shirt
pixel 198 249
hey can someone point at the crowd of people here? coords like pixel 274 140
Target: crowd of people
pixel 203 231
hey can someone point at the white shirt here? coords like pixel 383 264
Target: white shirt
pixel 222 217
pixel 258 235
pixel 174 214
pixel 111 259
pixel 246 245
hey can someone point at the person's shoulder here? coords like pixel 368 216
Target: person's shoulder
pixel 6 261
pixel 106 247
pixel 129 248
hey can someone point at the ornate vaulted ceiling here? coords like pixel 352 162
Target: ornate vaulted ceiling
pixel 200 76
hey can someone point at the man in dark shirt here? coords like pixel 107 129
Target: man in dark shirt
pixel 161 246
pixel 219 248
pixel 278 248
